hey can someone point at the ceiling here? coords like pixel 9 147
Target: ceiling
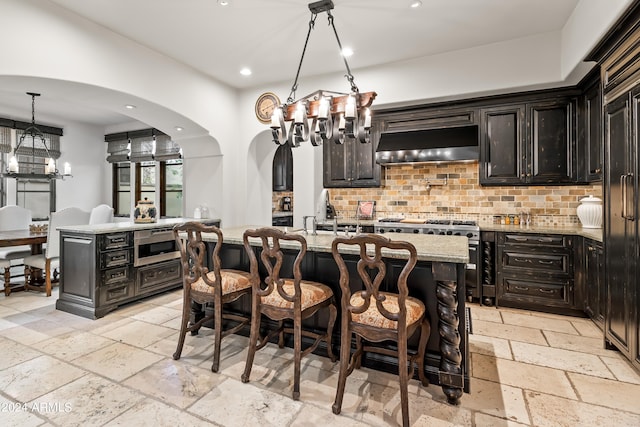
pixel 268 35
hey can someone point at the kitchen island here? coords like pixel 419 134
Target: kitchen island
pixel 104 266
pixel 437 279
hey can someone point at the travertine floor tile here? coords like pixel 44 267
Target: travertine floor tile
pixel 158 315
pixel 522 375
pixel 621 368
pixel 14 319
pixel 173 382
pixel 489 420
pixel 73 344
pixel 587 328
pixel 151 413
pixel 14 353
pixel 509 332
pixel 554 411
pixel 560 359
pixel 312 415
pixel 499 400
pixel 577 343
pixel 91 401
pixel 117 361
pixel 257 407
pixel 31 379
pixel 36 331
pixel 534 320
pixel 496 347
pixel 603 392
pixel 18 414
pixel 486 313
pixel 139 334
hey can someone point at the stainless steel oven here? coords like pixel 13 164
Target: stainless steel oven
pixel 152 246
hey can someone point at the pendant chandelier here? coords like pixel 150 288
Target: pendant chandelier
pixel 334 116
pixel 50 168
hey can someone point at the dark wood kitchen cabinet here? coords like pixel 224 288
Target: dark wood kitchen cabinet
pixel 594 280
pixel 530 143
pixel 283 169
pixel 590 135
pixel 617 55
pixel 536 272
pixel 352 164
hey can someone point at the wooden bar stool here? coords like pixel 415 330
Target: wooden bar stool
pixel 285 298
pixel 220 286
pixel 375 315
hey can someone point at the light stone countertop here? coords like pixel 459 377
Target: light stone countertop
pixel 453 249
pixel 114 227
pixel 576 230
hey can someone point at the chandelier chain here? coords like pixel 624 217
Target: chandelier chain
pixel 294 87
pixel 349 76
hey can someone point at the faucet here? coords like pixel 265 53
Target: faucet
pixel 335 225
pixel 357 225
pixel 314 224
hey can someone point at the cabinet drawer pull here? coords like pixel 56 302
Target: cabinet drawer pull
pixel 521 239
pixel 545 240
pixel 521 288
pixel 540 261
pixel 522 260
pixel 118 258
pixel 118 240
pixel 547 291
pixel 117 275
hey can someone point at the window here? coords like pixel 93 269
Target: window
pixel 38 196
pixel 171 188
pixel 122 188
pixel 146 181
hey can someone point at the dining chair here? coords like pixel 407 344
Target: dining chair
pixel 49 261
pixel 284 298
pixel 376 307
pixel 14 218
pixel 201 285
pixel 101 214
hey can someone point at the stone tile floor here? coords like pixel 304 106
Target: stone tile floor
pixel 57 369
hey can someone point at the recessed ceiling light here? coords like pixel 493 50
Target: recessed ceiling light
pixel 224 2
pixel 179 128
pixel 347 52
pixel 129 107
pixel 415 3
pixel 245 72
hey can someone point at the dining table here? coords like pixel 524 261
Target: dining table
pixel 35 239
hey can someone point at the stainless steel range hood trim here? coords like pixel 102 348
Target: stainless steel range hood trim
pixel 444 145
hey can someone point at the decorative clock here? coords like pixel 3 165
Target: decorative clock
pixel 266 103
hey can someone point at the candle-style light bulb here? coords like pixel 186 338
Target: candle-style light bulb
pixel 367 118
pixel 341 122
pixel 323 110
pixel 350 107
pixel 298 117
pixel 13 164
pixel 275 118
pixel 67 168
pixel 51 166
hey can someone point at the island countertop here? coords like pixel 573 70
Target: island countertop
pixel 114 227
pixel 454 249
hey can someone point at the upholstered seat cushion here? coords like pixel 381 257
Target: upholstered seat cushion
pixel 5 263
pixel 232 281
pixel 372 317
pixel 15 252
pixel 39 261
pixel 312 293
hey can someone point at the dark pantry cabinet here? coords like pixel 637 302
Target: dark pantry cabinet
pixel 283 169
pixel 617 55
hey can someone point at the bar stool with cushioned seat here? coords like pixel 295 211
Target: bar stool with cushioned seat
pixel 219 286
pixel 375 315
pixel 285 298
pixel 13 217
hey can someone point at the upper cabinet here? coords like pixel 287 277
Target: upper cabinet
pixel 352 164
pixel 283 169
pixel 590 138
pixel 530 143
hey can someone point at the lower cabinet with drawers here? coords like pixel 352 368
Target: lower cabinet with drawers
pixel 98 273
pixel 536 271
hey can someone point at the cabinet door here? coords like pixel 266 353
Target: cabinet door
pixel 501 141
pixel 619 228
pixel 283 169
pixel 551 141
pixel 593 134
pixel 352 164
pixel 595 292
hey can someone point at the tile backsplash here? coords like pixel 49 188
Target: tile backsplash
pixel 404 194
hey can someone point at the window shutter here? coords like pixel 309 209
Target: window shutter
pixel 142 146
pixel 5 139
pixel 118 151
pixel 166 149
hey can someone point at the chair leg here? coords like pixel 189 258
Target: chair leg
pixel 345 356
pixel 358 361
pixel 404 381
pixel 217 335
pixel 281 334
pixel 253 338
pixel 7 281
pixel 27 275
pixel 183 324
pixel 47 280
pixel 297 351
pixel 422 346
pixel 333 314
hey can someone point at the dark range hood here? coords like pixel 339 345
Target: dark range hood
pixel 457 144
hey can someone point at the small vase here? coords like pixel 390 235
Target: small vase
pixel 590 212
pixel 145 212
